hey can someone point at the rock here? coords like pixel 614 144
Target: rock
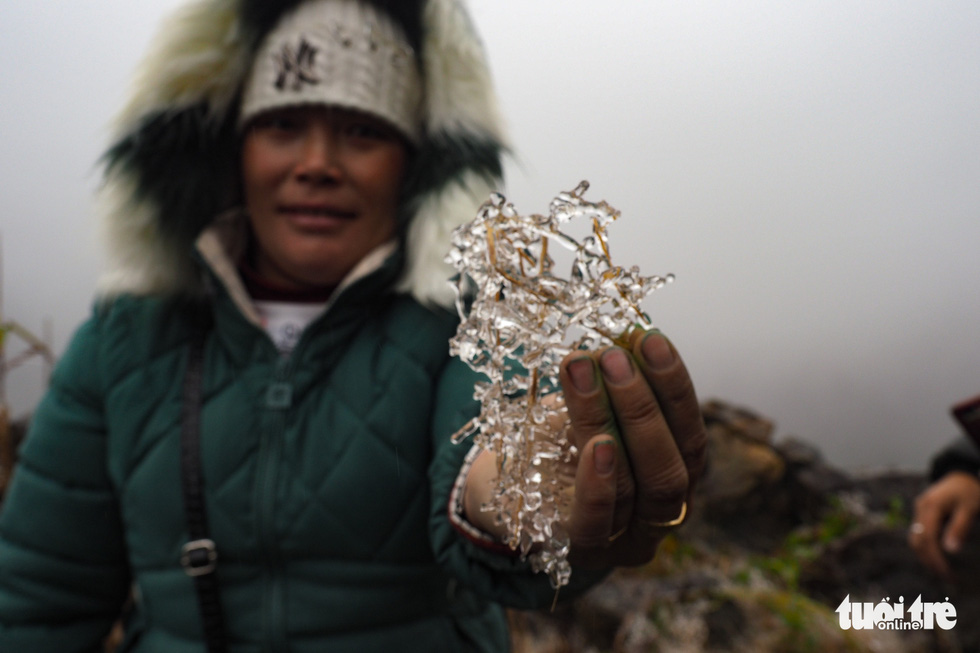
pixel 738 466
pixel 742 467
pixel 889 491
pixel 875 562
pixel 869 564
pixel 737 420
pixel 726 623
pixel 799 454
pixel 775 540
pixel 810 482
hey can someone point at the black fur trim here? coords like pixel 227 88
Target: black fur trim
pixel 185 164
pixel 443 159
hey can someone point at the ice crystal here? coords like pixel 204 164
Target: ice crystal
pixel 519 318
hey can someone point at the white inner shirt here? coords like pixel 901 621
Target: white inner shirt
pixel 286 321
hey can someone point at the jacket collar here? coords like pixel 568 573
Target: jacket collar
pixel 221 246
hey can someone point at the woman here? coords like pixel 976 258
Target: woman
pixel 284 184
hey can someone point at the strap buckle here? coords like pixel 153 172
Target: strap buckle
pixel 199 557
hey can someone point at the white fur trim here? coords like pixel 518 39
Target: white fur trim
pixel 459 99
pixel 459 92
pixel 429 236
pixel 139 259
pixel 198 54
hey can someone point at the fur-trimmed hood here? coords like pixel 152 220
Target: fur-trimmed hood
pixel 173 165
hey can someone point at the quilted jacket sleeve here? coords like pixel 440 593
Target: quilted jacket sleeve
pixel 500 577
pixel 63 571
pixel 961 455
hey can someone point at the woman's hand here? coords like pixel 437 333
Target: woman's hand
pixel 637 424
pixel 944 513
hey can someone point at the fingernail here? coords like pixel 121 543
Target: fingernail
pixel 616 365
pixel 582 374
pixel 657 352
pixel 604 457
pixel 952 545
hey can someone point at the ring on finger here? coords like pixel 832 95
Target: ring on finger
pixel 917 528
pixel 615 536
pixel 677 521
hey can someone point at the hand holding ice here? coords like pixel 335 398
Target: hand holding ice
pixel 520 318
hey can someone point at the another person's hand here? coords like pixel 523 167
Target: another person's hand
pixel 944 513
pixel 637 425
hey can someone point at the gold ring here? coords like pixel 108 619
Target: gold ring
pixel 677 521
pixel 615 536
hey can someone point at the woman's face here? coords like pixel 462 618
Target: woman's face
pixel 322 187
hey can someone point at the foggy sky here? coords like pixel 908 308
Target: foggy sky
pixel 810 172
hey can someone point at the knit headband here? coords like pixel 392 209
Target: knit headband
pixel 341 53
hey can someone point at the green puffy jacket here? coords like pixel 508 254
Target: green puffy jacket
pixel 327 476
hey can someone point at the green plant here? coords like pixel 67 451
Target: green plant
pixel 806 543
pixel 897 515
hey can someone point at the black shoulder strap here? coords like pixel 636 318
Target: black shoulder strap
pixel 199 557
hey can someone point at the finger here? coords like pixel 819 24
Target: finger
pixel 924 540
pixel 658 469
pixel 590 414
pixel 591 523
pixel 668 377
pixel 585 398
pixel 957 528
